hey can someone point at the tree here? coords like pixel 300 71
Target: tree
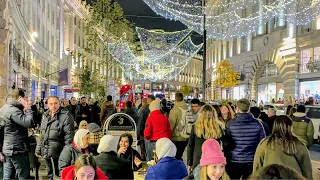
pixel 106 24
pixel 225 76
pixel 186 89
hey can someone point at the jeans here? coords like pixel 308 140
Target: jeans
pixel 18 162
pixel 150 146
pixel 181 146
pixel 238 170
pixel 52 168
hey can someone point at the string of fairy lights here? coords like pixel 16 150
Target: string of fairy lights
pixel 226 20
pixel 165 54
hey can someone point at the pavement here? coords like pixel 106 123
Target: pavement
pixel 315 160
pixel 314 155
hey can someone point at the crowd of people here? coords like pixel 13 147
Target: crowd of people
pixel 228 141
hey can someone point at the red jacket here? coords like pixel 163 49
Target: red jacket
pixel 68 174
pixel 157 126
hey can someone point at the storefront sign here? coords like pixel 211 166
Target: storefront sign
pixel 121 123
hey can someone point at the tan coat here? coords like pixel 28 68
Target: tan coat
pixel 175 117
pixel 266 155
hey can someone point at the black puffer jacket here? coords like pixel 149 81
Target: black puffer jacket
pixel 55 133
pixel 15 140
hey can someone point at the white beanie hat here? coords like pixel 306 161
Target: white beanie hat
pixel 165 148
pixel 154 105
pixel 107 143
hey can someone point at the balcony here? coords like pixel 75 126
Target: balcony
pixel 309 67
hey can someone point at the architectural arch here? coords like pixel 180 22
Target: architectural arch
pixel 286 68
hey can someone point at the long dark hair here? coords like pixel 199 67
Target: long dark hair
pixel 282 133
pixel 129 136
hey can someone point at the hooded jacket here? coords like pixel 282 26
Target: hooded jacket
pixel 157 126
pixel 168 167
pixel 15 131
pixel 68 174
pixel 302 126
pixel 245 132
pixel 175 117
pixel 267 155
pixel 55 133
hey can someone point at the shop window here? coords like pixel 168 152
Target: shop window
pixel 269 70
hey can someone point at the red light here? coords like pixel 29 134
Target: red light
pixel 125 86
pixel 121 104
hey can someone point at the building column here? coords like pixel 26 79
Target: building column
pixel 3 50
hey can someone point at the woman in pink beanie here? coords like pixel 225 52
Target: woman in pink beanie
pixel 212 162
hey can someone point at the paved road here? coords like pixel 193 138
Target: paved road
pixel 315 159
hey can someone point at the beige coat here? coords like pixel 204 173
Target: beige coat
pixel 175 117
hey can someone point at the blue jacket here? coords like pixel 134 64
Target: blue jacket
pixel 245 132
pixel 167 168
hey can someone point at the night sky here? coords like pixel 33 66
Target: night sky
pixel 141 15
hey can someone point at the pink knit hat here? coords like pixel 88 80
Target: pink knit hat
pixel 211 153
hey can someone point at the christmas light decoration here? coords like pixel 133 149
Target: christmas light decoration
pixel 176 54
pixel 157 43
pixel 229 20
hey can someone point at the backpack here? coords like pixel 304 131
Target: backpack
pixel 186 123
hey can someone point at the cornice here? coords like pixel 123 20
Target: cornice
pixel 79 9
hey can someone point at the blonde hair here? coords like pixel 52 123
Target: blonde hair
pixel 204 176
pixel 208 124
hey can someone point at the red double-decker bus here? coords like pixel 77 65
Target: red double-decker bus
pixel 126 94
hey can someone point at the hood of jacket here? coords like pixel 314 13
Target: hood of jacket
pixel 299 114
pixel 181 104
pixel 16 104
pixel 68 174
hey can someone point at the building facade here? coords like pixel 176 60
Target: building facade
pixel 75 14
pixel 190 76
pixel 278 60
pixel 38 38
pixel 32 53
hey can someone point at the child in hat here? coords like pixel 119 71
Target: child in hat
pixel 212 162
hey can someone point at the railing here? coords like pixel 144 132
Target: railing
pixel 310 67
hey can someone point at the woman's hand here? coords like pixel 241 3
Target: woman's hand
pixel 122 150
pixel 137 161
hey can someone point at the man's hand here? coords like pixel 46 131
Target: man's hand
pixel 189 168
pixel 83 115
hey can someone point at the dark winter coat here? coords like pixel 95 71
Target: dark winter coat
pixel 245 133
pixel 129 156
pixel 132 113
pixel 55 133
pixel 87 111
pixel 76 110
pixel 194 148
pixel 142 122
pixel 17 122
pixel 69 155
pixel 114 167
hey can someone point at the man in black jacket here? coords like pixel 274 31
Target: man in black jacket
pixel 56 131
pixel 142 122
pixel 16 118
